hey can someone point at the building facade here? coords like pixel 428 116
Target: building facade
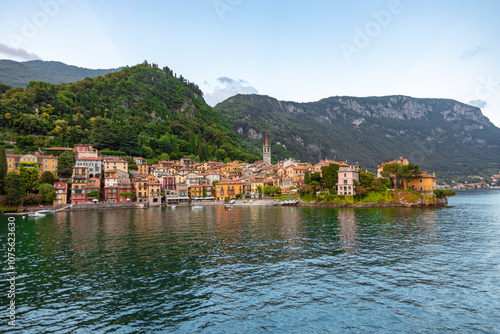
pixel 61 189
pixel 346 178
pixel 79 185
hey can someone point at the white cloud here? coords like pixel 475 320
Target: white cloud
pixel 231 87
pixel 478 103
pixel 17 53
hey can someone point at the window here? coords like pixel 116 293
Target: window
pixel 421 181
pixel 46 166
pixel 421 189
pixel 345 174
pixel 345 181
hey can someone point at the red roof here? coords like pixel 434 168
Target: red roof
pixel 59 149
pixel 88 159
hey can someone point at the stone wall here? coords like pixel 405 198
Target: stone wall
pixel 102 206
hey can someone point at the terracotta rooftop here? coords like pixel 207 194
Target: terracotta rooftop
pixel 59 149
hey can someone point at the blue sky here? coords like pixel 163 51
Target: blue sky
pixel 292 50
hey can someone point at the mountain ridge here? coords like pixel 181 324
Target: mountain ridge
pixel 370 130
pixel 19 74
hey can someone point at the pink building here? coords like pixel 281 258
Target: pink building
pixel 345 185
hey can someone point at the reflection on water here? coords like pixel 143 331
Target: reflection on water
pixel 347 230
pixel 257 269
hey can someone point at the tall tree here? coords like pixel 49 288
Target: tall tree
pixel 3 168
pixel 330 176
pixel 101 134
pixel 66 164
pixel 192 143
pixel 128 140
pixel 396 173
pixel 48 193
pixel 47 177
pixel 199 151
pixel 164 157
pixel 28 174
pixel 12 188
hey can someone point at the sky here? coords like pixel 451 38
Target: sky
pixel 292 50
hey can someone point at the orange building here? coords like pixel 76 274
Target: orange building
pixel 424 183
pixel 228 189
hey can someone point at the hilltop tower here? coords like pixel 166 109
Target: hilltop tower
pixel 266 152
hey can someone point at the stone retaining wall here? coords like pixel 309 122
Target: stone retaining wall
pixel 103 206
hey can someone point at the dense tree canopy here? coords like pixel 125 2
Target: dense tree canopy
pixel 12 188
pixel 47 177
pixel 140 110
pixel 3 169
pixel 397 172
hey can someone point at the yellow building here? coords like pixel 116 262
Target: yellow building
pixel 230 168
pixel 45 162
pixel 424 183
pixel 154 191
pixel 115 163
pixel 143 169
pixel 203 167
pixel 254 185
pixel 79 185
pixel 200 190
pixel 141 189
pixel 228 189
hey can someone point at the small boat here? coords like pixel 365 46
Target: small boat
pixel 197 207
pixel 227 208
pixel 173 206
pixel 45 212
pixel 39 214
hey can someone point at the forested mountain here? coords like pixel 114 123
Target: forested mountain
pixel 443 136
pixel 19 74
pixel 141 110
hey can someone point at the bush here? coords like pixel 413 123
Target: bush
pixel 440 193
pixel 32 199
pixel 109 152
pixel 47 177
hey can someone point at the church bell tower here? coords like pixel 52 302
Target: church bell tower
pixel 266 152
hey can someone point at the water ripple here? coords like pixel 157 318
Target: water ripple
pixel 260 269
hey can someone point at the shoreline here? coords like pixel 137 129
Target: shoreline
pixel 238 203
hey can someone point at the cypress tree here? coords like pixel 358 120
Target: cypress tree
pixel 13 188
pixel 3 169
pixel 199 151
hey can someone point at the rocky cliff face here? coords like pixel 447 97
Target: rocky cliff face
pixel 441 135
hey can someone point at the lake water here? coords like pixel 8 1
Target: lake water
pixel 260 270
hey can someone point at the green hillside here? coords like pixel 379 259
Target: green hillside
pixel 19 74
pixel 444 136
pixel 141 110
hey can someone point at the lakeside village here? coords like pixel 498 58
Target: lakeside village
pixel 110 179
